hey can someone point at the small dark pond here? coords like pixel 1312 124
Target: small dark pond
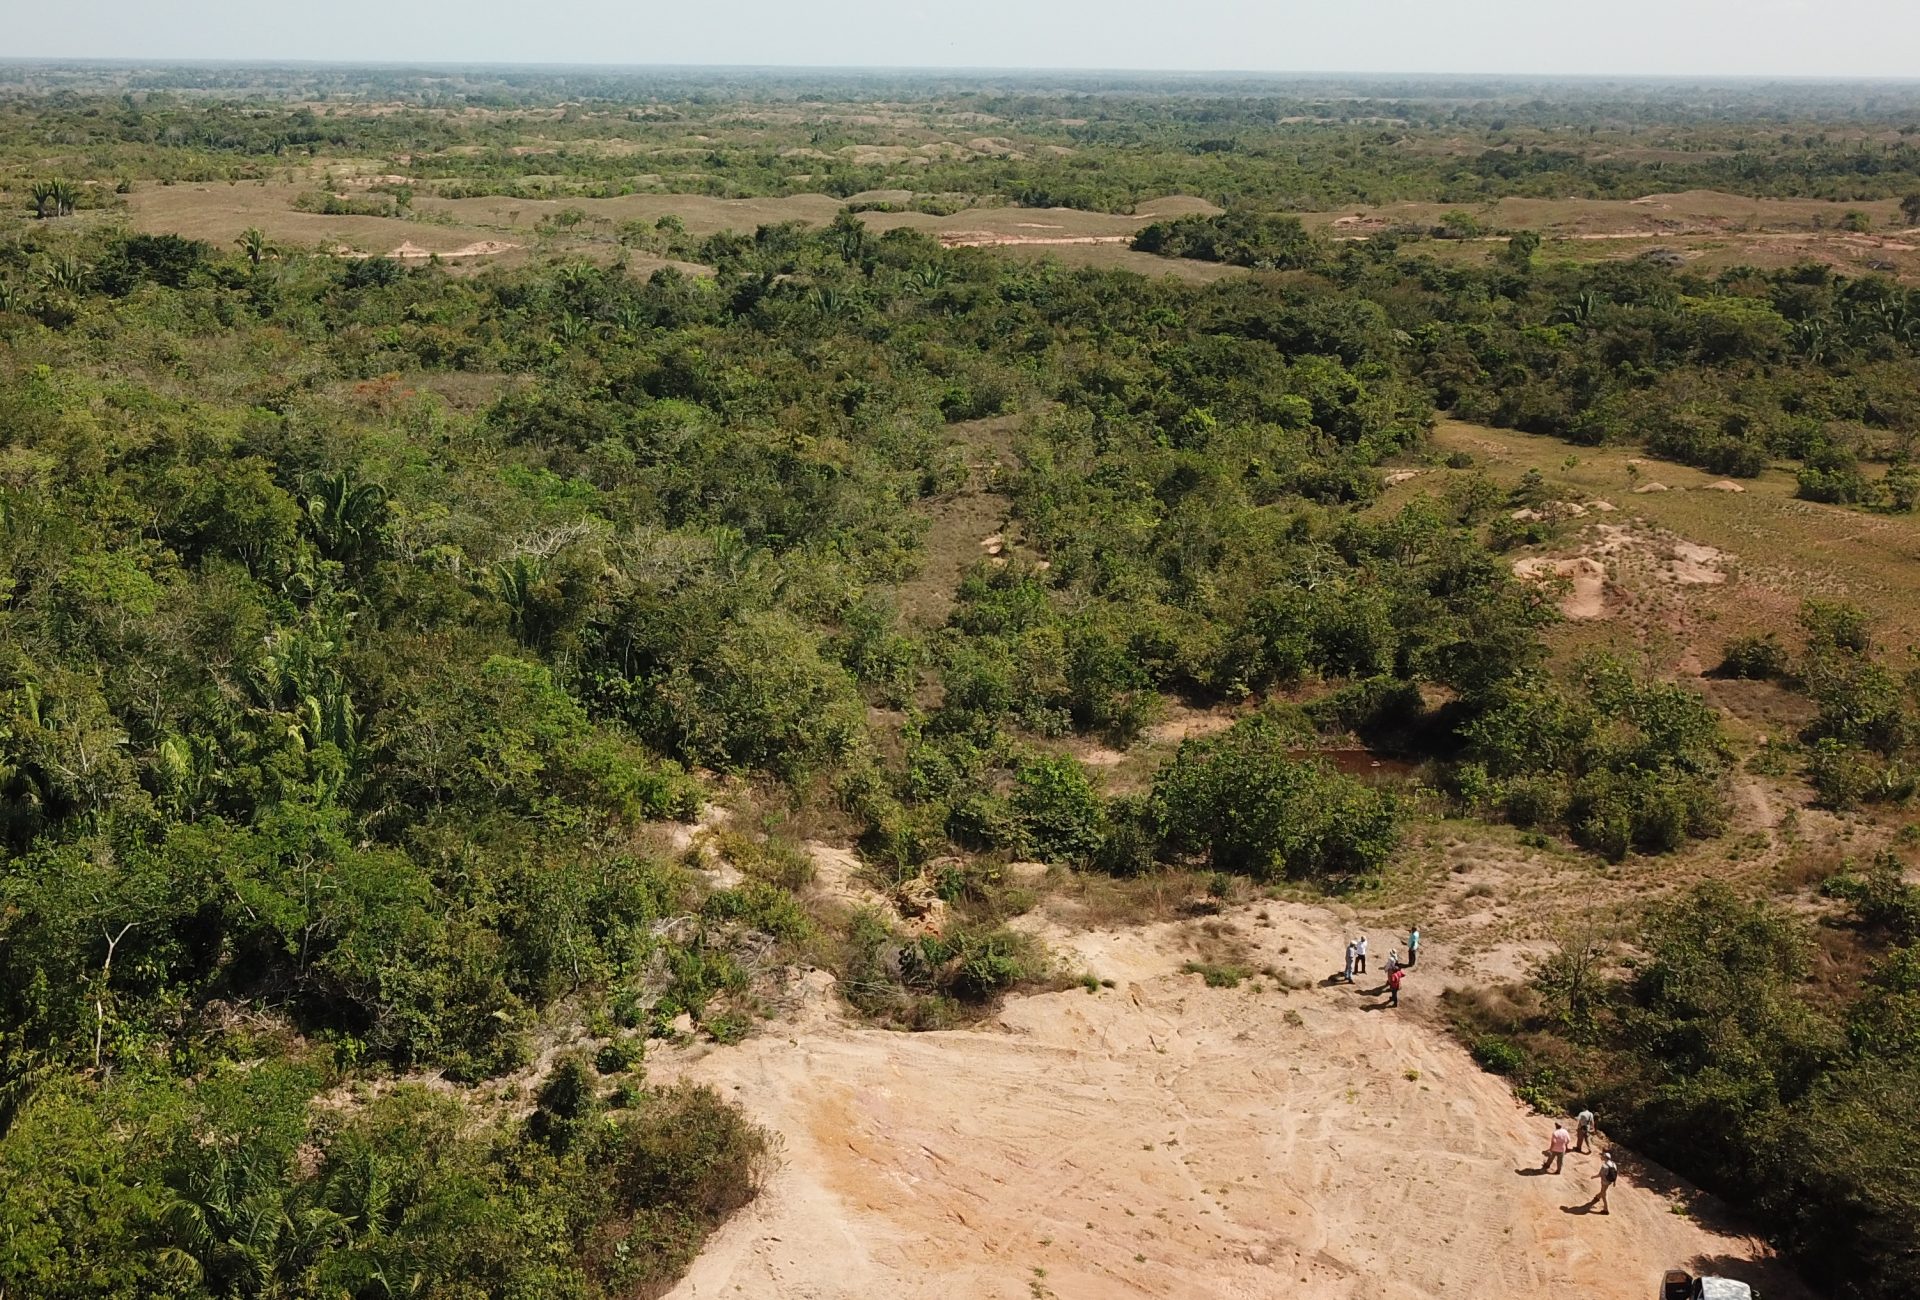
pixel 1359 762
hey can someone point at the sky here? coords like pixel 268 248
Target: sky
pixel 1813 38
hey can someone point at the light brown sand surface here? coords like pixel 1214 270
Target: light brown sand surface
pixel 1166 1139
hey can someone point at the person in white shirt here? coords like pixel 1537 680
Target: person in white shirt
pixel 1360 955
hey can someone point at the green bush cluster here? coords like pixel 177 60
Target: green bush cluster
pixel 1246 804
pixel 1760 656
pixel 238 1186
pixel 1266 240
pixel 1717 1055
pixel 1621 762
pixel 930 982
pixel 1866 726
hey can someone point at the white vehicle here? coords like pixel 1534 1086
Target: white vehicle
pixel 1682 1285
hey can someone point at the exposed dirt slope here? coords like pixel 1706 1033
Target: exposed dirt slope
pixel 1166 1139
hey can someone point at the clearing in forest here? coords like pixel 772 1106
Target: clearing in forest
pixel 1164 1138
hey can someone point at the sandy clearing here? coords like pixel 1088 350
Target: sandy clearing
pixel 1182 722
pixel 1164 1139
pixel 1586 595
pixel 1681 562
pixel 412 252
pixel 988 239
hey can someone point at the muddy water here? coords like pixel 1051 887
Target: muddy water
pixel 1362 763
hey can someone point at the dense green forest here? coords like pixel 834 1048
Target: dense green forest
pixel 360 623
pixel 1055 139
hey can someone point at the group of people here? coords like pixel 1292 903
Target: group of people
pixel 1396 969
pixel 1562 1141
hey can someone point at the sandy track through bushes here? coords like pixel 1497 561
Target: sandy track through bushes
pixel 1166 1139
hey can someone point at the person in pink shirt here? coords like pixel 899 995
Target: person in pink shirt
pixel 1557 1146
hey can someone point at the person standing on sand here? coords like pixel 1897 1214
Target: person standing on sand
pixel 1350 955
pixel 1583 1125
pixel 1413 946
pixel 1360 955
pixel 1394 977
pixel 1609 1175
pixel 1557 1149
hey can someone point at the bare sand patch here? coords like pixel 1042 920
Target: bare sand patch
pixel 412 252
pixel 988 239
pixel 1683 563
pixel 1164 1139
pixel 839 874
pixel 1182 723
pixel 1586 579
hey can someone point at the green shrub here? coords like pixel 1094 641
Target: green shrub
pixel 1901 487
pixel 760 906
pixel 565 1102
pixel 1624 763
pixel 976 965
pixel 1832 475
pixel 1881 896
pixel 1249 807
pixel 1497 1056
pixel 1133 836
pixel 1860 703
pixel 1218 976
pixel 1267 240
pixel 1060 812
pixel 1841 775
pixel 1535 800
pixel 1835 625
pixel 984 822
pixel 1760 656
pixel 619 1055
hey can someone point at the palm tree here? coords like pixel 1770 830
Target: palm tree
pixel 232 1225
pixel 66 273
pixel 849 235
pixel 43 194
pixel 1580 311
pixel 631 317
pixel 930 278
pixel 346 515
pixel 1811 338
pixel 518 581
pixel 253 242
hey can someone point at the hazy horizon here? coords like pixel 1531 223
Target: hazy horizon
pixel 1765 39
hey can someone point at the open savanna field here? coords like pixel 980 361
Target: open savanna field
pixel 1710 230
pixel 1781 547
pixel 764 685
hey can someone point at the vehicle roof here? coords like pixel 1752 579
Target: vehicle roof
pixel 1724 1288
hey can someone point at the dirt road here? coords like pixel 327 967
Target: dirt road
pixel 1166 1139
